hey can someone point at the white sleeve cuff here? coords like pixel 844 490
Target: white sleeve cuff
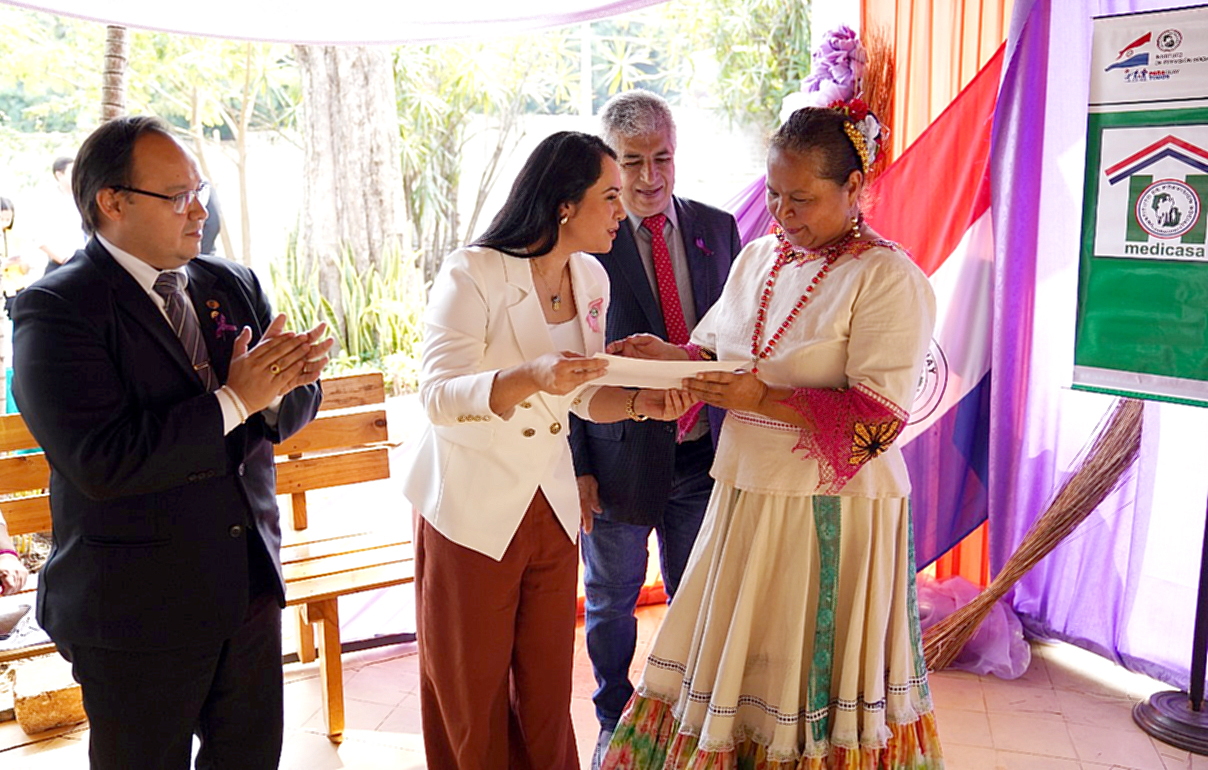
pixel 270 412
pixel 234 411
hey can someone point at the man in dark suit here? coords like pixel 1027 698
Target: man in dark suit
pixel 667 267
pixel 157 406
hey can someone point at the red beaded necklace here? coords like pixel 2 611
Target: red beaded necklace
pixel 786 253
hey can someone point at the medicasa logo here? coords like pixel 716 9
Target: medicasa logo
pixel 1167 209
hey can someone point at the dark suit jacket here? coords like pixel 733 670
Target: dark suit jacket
pixel 634 462
pixel 150 502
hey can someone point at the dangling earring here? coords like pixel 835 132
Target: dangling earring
pixel 855 225
pixel 563 220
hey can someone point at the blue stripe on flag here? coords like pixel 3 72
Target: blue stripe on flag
pixel 949 505
pixel 1140 60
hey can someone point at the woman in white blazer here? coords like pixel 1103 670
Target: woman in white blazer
pixel 511 325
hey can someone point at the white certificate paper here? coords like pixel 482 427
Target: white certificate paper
pixel 656 374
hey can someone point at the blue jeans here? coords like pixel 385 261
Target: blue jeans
pixel 614 560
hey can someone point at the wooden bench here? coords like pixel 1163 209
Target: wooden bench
pixel 345 444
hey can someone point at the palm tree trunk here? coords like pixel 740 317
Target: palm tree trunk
pixel 113 76
pixel 241 135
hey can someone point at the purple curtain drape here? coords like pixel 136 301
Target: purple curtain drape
pixel 352 22
pixel 1124 583
pixel 749 211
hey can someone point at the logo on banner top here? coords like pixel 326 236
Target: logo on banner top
pixel 1168 208
pixel 1129 59
pixel 1128 49
pixel 1167 61
pixel 1170 40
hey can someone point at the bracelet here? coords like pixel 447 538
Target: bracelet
pixel 237 402
pixel 633 413
pixel 9 550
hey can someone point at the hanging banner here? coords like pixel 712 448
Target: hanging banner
pixel 1142 321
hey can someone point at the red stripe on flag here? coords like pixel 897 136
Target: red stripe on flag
pixel 1139 41
pixel 940 185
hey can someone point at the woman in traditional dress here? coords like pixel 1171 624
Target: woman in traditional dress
pixel 511 325
pixel 793 641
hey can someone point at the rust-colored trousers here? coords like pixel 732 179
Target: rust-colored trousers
pixel 496 647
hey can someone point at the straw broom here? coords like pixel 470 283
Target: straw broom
pixel 878 86
pixel 1113 451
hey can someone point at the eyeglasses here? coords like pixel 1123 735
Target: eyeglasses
pixel 181 201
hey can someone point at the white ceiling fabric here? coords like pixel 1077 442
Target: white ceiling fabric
pixel 339 22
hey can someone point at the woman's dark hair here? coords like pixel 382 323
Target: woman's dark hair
pixel 820 129
pixel 106 159
pixel 559 171
pixel 7 205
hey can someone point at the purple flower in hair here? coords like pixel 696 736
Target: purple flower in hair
pixel 840 59
pixel 837 72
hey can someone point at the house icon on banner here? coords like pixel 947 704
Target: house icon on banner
pixel 1167 208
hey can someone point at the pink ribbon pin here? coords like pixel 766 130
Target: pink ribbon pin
pixel 593 314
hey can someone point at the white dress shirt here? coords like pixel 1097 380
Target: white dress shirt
pixel 145 275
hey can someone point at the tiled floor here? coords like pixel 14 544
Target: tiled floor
pixel 1071 711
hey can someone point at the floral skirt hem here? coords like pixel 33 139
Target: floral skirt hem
pixel 648 737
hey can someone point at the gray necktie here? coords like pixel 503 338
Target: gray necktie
pixel 184 323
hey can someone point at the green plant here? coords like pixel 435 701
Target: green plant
pixel 381 326
pixel 761 49
pixel 444 90
pixel 296 289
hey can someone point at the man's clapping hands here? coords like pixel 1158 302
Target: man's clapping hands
pixel 278 363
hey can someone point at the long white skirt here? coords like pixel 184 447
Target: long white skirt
pixel 793 635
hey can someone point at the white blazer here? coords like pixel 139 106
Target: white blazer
pixel 472 474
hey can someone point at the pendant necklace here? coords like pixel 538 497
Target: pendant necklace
pixel 555 300
pixel 786 253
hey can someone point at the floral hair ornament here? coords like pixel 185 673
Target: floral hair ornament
pixel 836 72
pixel 836 77
pixel 863 129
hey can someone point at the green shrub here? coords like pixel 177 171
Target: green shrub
pixel 379 323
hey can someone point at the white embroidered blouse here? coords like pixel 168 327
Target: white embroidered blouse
pixel 867 323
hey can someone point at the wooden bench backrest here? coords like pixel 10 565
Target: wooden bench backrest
pixel 25 475
pixel 344 444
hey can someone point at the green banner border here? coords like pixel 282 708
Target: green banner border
pixel 1133 394
pixel 1097 123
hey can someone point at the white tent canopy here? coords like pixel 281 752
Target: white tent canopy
pixel 340 22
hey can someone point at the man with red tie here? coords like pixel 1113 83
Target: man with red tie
pixel 667 267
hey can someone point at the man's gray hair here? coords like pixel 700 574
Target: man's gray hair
pixel 636 113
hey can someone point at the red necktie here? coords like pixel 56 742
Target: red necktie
pixel 673 311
